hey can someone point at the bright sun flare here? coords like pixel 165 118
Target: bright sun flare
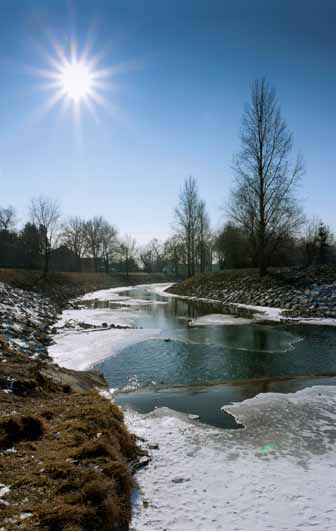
pixel 77 80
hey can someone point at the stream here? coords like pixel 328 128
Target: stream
pixel 195 364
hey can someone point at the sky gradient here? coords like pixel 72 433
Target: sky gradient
pixel 181 76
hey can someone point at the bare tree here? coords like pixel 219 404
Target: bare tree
pixel 231 244
pixel 93 238
pixel 203 237
pixel 74 238
pixel 45 214
pixel 175 253
pixel 263 199
pixel 152 256
pixel 127 252
pixel 7 218
pixel 317 243
pixel 108 243
pixel 187 216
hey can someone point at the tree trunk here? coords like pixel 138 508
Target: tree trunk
pixel 46 263
pixel 46 256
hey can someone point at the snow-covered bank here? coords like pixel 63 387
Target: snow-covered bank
pixel 81 350
pixel 115 294
pixel 302 292
pixel 260 313
pixel 78 349
pixel 25 318
pixel 273 475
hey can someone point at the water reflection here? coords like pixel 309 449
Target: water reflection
pixel 200 356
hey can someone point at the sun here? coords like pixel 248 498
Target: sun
pixel 77 80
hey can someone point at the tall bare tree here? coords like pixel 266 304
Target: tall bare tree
pixel 127 252
pixel 74 238
pixel 108 243
pixel 187 216
pixel 45 214
pixel 263 200
pixel 93 237
pixel 203 237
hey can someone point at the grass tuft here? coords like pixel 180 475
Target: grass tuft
pixel 20 428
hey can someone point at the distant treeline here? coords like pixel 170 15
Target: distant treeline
pixel 265 223
pixel 47 243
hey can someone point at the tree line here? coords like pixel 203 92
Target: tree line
pixel 265 225
pixel 46 242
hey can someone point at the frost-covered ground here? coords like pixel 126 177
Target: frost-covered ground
pixel 276 474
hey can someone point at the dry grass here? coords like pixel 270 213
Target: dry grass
pixel 71 469
pixel 78 283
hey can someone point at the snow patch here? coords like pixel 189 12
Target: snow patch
pixel 80 350
pixel 219 320
pixel 270 476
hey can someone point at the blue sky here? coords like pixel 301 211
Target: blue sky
pixel 176 100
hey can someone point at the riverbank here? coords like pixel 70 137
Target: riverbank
pixel 273 474
pixel 308 294
pixel 66 455
pixel 198 477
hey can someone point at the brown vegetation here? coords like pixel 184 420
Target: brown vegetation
pixel 71 466
pixel 61 287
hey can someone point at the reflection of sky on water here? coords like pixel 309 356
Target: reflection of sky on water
pixel 207 355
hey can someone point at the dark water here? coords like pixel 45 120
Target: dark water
pixel 199 369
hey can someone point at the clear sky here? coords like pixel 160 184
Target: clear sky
pixel 180 78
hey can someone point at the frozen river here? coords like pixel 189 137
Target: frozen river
pixel 277 473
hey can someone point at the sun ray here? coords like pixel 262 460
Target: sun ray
pixel 75 79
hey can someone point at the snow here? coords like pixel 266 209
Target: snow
pixel 98 316
pixel 266 313
pixel 80 350
pixel 113 295
pixel 4 489
pixel 263 312
pixel 219 320
pixel 276 474
pixel 322 321
pixel 272 475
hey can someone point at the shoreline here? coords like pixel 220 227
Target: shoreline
pixel 180 488
pixel 66 455
pixel 261 314
pixel 300 295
